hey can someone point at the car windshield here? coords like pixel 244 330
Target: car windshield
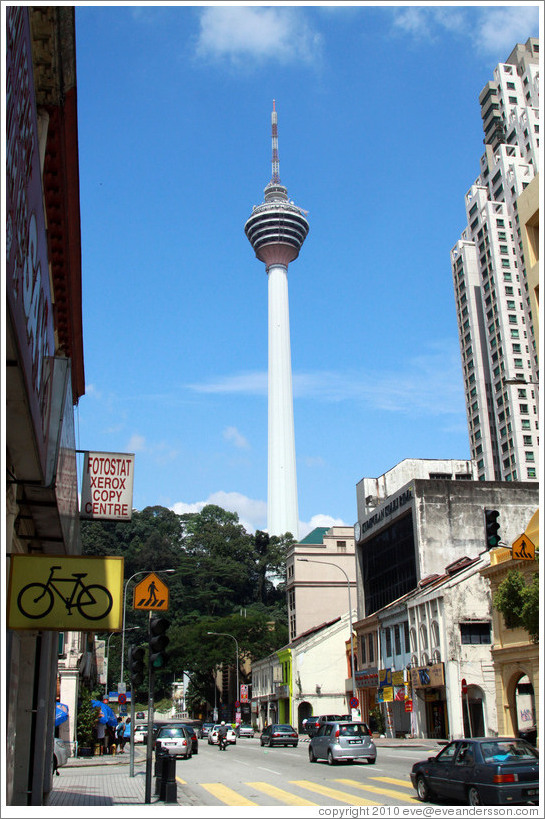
pixel 511 750
pixel 175 731
pixel 283 728
pixel 356 729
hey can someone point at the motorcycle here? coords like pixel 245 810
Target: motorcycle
pixel 222 742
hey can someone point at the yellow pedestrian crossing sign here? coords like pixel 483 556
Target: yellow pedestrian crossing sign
pixel 151 594
pixel 523 549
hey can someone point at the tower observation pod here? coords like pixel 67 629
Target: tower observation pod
pixel 276 230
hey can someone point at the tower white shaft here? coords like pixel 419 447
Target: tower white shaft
pixel 282 507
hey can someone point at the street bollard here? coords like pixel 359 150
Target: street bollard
pixel 158 772
pixel 169 789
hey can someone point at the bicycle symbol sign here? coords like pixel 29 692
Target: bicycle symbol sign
pixel 65 593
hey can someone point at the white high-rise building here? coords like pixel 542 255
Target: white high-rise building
pixel 495 324
pixel 277 229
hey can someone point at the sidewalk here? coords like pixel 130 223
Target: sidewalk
pixel 105 780
pixel 102 780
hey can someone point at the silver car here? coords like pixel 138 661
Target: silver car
pixel 173 740
pixel 336 741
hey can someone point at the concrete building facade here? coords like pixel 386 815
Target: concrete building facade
pixel 305 678
pixel 493 267
pixel 44 359
pixel 318 591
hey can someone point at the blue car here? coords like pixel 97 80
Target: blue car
pixel 480 771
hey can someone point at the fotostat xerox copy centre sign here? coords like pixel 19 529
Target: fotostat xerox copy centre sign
pixel 106 487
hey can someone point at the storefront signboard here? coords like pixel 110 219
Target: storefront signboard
pixel 106 488
pixel 428 676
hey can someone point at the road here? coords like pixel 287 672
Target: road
pixel 247 774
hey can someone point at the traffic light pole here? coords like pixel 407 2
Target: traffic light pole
pixel 151 706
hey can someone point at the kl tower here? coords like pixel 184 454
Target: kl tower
pixel 276 230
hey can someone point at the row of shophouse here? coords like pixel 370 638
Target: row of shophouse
pixel 435 659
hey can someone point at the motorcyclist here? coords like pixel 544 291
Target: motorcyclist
pixel 222 736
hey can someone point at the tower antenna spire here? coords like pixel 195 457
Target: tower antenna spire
pixel 275 162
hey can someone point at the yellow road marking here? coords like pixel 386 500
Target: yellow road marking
pixel 284 796
pixel 393 781
pixel 333 793
pixel 181 781
pixel 386 791
pixel 227 795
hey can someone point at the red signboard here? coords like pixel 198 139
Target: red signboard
pixel 408 705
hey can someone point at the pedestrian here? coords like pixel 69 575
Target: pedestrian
pixel 126 734
pixel 100 734
pixel 109 740
pixel 120 728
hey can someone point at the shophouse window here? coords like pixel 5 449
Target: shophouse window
pixel 388 636
pixel 363 642
pixel 406 635
pixel 341 545
pixel 475 633
pixel 397 640
pixel 371 646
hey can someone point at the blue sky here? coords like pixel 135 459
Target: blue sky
pixel 380 137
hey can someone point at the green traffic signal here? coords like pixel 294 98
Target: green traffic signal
pixel 492 528
pixel 158 642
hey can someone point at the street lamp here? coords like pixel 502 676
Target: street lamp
pixel 144 571
pixel 328 563
pixel 224 634
pixel 107 658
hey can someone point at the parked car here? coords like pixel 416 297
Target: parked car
pixel 194 739
pixel 277 734
pixel 60 754
pixel 337 741
pixel 480 771
pixel 314 723
pixel 244 730
pixel 213 735
pixel 141 734
pixel 204 730
pixel 174 740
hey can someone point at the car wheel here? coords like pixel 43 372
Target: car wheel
pixel 311 756
pixel 261 742
pixel 473 796
pixel 422 789
pixel 371 760
pixel 330 760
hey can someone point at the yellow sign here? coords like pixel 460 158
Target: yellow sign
pixel 387 693
pixel 523 549
pixel 151 594
pixel 60 593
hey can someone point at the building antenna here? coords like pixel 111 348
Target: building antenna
pixel 275 162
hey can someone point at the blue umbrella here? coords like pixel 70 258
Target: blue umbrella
pixel 61 713
pixel 107 716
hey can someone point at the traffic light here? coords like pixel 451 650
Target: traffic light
pixel 158 642
pixel 136 665
pixel 492 528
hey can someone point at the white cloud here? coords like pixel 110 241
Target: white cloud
pixel 254 383
pixel 429 383
pixel 500 29
pixel 232 434
pixel 252 513
pixel 319 520
pixel 241 33
pixel 137 443
pixel 493 29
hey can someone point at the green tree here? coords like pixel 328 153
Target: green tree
pixel 519 602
